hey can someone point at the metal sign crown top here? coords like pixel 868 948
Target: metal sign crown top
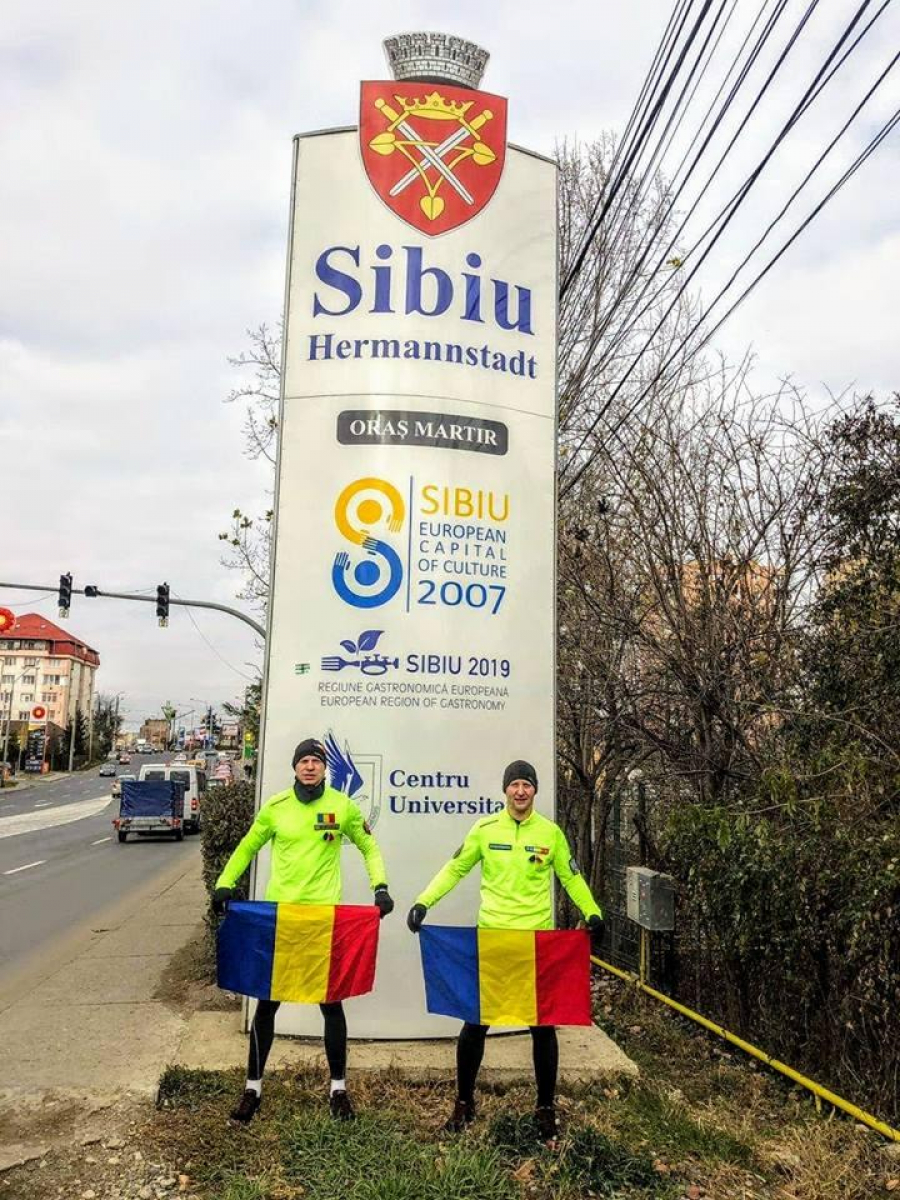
pixel 436 58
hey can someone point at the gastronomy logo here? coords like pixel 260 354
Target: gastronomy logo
pixel 434 159
pixel 360 654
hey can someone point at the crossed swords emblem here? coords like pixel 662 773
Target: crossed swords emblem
pixel 426 155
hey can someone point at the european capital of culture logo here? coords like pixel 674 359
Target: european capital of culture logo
pixel 367 512
pixel 435 158
pixel 356 775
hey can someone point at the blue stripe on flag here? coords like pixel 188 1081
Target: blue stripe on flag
pixel 246 948
pixel 450 967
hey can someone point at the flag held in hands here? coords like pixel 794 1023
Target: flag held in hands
pixel 306 953
pixel 507 976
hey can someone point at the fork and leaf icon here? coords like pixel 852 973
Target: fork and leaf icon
pixel 366 642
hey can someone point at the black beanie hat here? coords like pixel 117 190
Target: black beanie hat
pixel 310 746
pixel 520 770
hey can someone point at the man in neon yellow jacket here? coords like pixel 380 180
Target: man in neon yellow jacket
pixel 519 851
pixel 305 824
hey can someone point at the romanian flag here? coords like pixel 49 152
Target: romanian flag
pixel 507 976
pixel 307 953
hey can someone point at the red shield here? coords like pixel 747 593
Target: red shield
pixel 433 153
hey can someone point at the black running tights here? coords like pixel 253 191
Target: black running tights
pixel 545 1050
pixel 262 1033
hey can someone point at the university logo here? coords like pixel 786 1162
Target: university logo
pixel 356 775
pixel 434 154
pixel 366 513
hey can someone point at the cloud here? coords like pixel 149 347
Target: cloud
pixel 146 158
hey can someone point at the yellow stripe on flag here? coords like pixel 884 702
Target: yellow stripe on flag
pixel 506 969
pixel 302 958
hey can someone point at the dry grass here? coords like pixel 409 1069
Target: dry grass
pixel 701 1123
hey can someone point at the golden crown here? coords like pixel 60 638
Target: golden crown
pixel 434 105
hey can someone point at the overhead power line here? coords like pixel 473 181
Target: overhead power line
pixel 642 134
pixel 873 144
pixel 714 231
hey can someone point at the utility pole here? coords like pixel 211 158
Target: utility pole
pixel 6 736
pixel 93 708
pixel 73 705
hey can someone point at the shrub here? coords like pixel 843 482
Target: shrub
pixel 227 815
pixel 790 937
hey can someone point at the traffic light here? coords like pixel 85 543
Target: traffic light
pixel 162 603
pixel 65 594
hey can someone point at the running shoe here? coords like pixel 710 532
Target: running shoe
pixel 548 1126
pixel 247 1108
pixel 463 1116
pixel 341 1108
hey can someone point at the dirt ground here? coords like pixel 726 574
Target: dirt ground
pixel 81 1146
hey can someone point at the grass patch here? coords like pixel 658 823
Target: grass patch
pixel 181 1087
pixel 699 1122
pixel 593 1160
pixel 670 1128
pixel 325 1158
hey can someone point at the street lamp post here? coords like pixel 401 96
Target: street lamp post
pixel 209 718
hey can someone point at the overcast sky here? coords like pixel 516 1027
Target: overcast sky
pixel 145 157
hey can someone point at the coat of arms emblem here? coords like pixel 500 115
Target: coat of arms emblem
pixel 434 153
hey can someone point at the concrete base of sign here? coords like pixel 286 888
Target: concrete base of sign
pixel 215 1041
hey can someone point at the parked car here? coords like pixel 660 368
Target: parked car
pixel 117 784
pixel 108 768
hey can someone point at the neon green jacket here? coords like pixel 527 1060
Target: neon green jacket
pixel 517 858
pixel 306 850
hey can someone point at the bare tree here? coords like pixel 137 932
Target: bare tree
pixel 249 538
pixel 687 560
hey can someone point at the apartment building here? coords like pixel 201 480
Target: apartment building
pixel 43 665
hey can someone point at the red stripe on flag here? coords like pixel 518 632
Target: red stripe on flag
pixel 354 948
pixel 562 976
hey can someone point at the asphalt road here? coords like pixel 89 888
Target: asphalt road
pixel 60 862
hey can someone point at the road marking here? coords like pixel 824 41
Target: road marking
pixel 40 862
pixel 100 841
pixel 42 803
pixel 49 818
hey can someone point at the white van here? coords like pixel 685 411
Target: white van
pixel 194 781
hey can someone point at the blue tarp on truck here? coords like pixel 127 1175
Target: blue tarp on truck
pixel 151 798
pixel 150 806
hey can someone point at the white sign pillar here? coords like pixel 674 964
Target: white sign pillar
pixel 412 617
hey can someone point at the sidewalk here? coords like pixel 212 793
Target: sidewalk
pixel 89 1025
pixel 23 782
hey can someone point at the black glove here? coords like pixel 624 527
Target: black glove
pixel 415 917
pixel 220 899
pixel 383 900
pixel 596 926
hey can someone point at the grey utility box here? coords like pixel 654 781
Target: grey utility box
pixel 651 898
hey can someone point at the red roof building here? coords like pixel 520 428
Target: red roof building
pixel 46 666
